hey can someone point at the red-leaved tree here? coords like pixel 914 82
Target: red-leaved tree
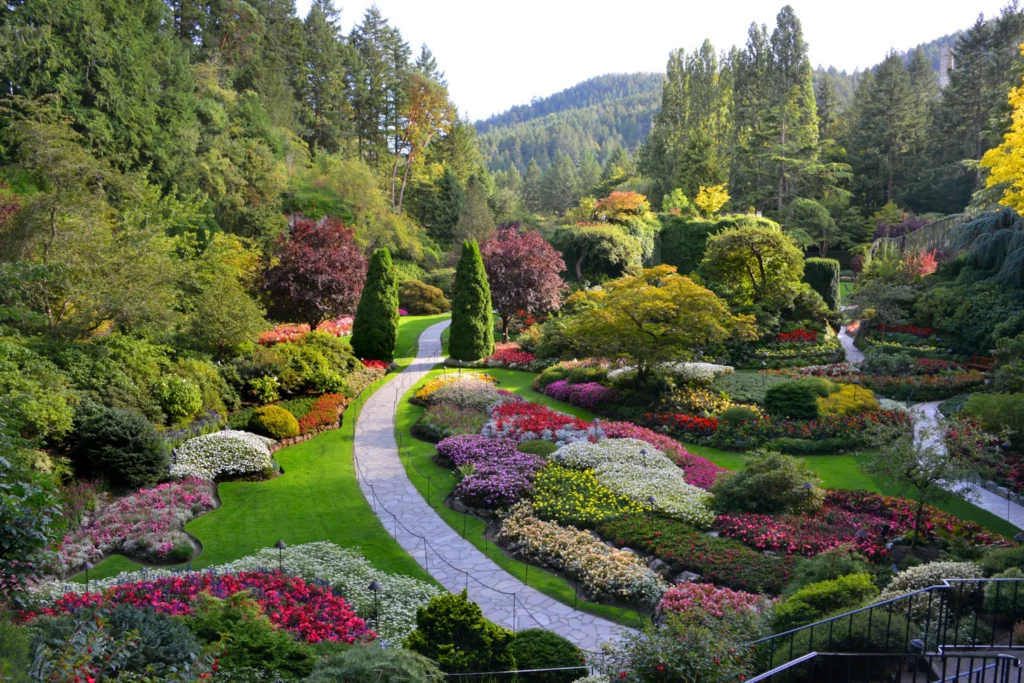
pixel 523 271
pixel 319 274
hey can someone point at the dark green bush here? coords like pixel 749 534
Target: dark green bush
pixel 1009 378
pixel 537 447
pixel 769 483
pixel 375 328
pixel 997 412
pixel 165 641
pixel 472 328
pixel 823 275
pixel 442 278
pixel 275 422
pixel 794 446
pixel 734 415
pixel 745 386
pixel 587 374
pixel 452 631
pixel 373 664
pixel 822 387
pixel 536 648
pixel 794 400
pixel 826 566
pixel 15 653
pixel 811 603
pixel 122 447
pixel 683 241
pixel 1005 597
pixel 419 298
pixel 550 376
pixel 999 560
pixel 240 419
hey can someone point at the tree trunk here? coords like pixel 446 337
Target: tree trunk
pixel 405 179
pixel 917 520
pixel 579 263
pixel 504 328
pixel 394 174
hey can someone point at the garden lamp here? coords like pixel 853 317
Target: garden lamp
pixel 280 545
pixel 1019 538
pixel 808 486
pixel 861 533
pixel 652 500
pixel 375 586
pixel 87 566
pixel 764 372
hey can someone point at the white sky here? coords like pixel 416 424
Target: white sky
pixel 498 54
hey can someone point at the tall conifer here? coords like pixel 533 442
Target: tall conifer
pixel 376 325
pixel 472 335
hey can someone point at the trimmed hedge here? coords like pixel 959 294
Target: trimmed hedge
pixel 419 298
pixel 823 275
pixel 683 241
pixel 275 422
pixel 472 328
pixel 535 648
pixel 375 328
pixel 794 400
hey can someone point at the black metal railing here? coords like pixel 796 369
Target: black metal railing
pixel 903 668
pixel 566 674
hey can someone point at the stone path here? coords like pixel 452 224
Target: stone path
pixel 450 559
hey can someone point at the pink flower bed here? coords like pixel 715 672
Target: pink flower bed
pixel 339 327
pixel 147 525
pixel 313 613
pixel 697 471
pixel 510 353
pixel 714 601
pixel 584 394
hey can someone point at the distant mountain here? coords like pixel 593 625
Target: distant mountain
pixel 598 114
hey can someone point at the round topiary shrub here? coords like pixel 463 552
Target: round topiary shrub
pixel 793 400
pixel 769 483
pixel 275 422
pixel 452 631
pixel 536 648
pixel 538 447
pixel 122 447
pixel 419 298
pixel 821 386
pixel 179 397
pixel 735 415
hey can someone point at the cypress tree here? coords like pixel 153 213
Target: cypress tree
pixel 376 325
pixel 472 335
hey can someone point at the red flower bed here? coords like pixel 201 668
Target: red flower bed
pixel 907 329
pixel 339 327
pixel 376 364
pixel 681 423
pixel 313 613
pixel 533 417
pixel 798 336
pixel 511 353
pixel 323 412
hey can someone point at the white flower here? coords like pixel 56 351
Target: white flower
pixel 702 373
pixel 226 452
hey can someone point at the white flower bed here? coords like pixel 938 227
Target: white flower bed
pixel 345 569
pixel 226 452
pixel 890 404
pixel 606 572
pixel 702 373
pixel 637 470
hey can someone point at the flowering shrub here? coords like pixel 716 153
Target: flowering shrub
pixel 313 613
pixel 705 599
pixel 343 568
pixel 510 354
pixel 501 474
pixel 720 561
pixel 797 336
pixel 323 412
pixel 606 573
pixel 220 453
pixel 147 525
pixel 636 470
pixel 339 327
pixel 525 421
pixel 376 364
pixel 575 497
pixel 433 385
pixel 586 394
pixel 907 329
pixel 852 428
pixel 926 575
pixel 402 312
pixel 698 471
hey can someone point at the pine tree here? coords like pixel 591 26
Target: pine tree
pixel 426 64
pixel 560 185
pixel 472 330
pixel 828 108
pixel 476 222
pixel 375 328
pixel 321 86
pixel 590 172
pixel 533 187
pixel 442 210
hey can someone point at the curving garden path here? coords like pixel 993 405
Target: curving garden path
pixel 453 561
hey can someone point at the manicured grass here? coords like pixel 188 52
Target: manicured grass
pixel 418 461
pixel 317 498
pixel 845 289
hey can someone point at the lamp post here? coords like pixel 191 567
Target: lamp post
pixel 87 566
pixel 764 371
pixel 1019 538
pixel 652 500
pixel 280 545
pixel 375 587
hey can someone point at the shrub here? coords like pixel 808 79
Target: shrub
pixel 265 389
pixel 863 632
pixel 822 387
pixel 998 560
pixel 15 654
pixel 734 415
pixel 829 565
pixel 274 422
pixel 849 400
pixel 472 328
pixel 997 412
pixel 446 419
pixel 375 328
pixel 927 575
pixel 769 483
pixel 745 386
pixel 322 412
pixel 442 278
pixel 794 446
pixel 452 631
pixel 536 648
pixel 225 452
pixel 179 397
pixel 122 447
pixel 813 602
pixel 793 400
pixel 1005 597
pixel 538 447
pixel 468 393
pixel 823 275
pixel 165 642
pixel 419 298
pixel 372 664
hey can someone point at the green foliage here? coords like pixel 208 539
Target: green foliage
pixel 1005 598
pixel 972 315
pixel 178 396
pixel 164 642
pixel 684 240
pixel 769 483
pixel 275 422
pixel 122 447
pixel 317 362
pixel 249 637
pixel 826 566
pixel 999 560
pixel 794 446
pixel 734 415
pixel 265 389
pixel 823 275
pixel 419 298
pixel 598 252
pixel 375 328
pixel 452 631
pixel 745 386
pixel 794 400
pixel 848 401
pixel 39 402
pixel 15 655
pixel 536 648
pixel 443 279
pixel 373 664
pixel 864 632
pixel 753 264
pixel 998 412
pixel 472 328
pixel 539 447
pixel 821 386
pixel 811 603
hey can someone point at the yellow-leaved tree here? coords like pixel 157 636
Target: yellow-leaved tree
pixel 1006 162
pixel 710 200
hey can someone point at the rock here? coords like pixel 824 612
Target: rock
pixel 659 567
pixel 628 550
pixel 896 541
pixel 770 553
pixel 513 547
pixel 712 534
pixel 687 577
pixel 458 506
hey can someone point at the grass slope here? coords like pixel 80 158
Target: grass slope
pixel 317 498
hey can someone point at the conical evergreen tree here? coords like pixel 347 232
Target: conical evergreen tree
pixel 376 325
pixel 472 335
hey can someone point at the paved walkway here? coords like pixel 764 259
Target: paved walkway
pixel 451 560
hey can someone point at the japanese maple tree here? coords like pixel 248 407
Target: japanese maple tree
pixel 523 270
pixel 319 272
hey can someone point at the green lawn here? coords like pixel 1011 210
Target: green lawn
pixel 845 289
pixel 317 498
pixel 418 462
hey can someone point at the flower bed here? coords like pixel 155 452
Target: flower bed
pixel 501 475
pixel 209 421
pixel 525 421
pixel 699 373
pixel 925 385
pixel 311 612
pixel 444 420
pixel 510 356
pixel 424 392
pixel 850 429
pixel 707 599
pixel 606 573
pixel 907 329
pixel 797 336
pixel 721 561
pixel 636 470
pixel 585 394
pixel 576 497
pixel 323 412
pixel 339 327
pixel 225 452
pixel 147 525
pixel 698 471
pixel 376 364
pixel 475 394
pixel 684 425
